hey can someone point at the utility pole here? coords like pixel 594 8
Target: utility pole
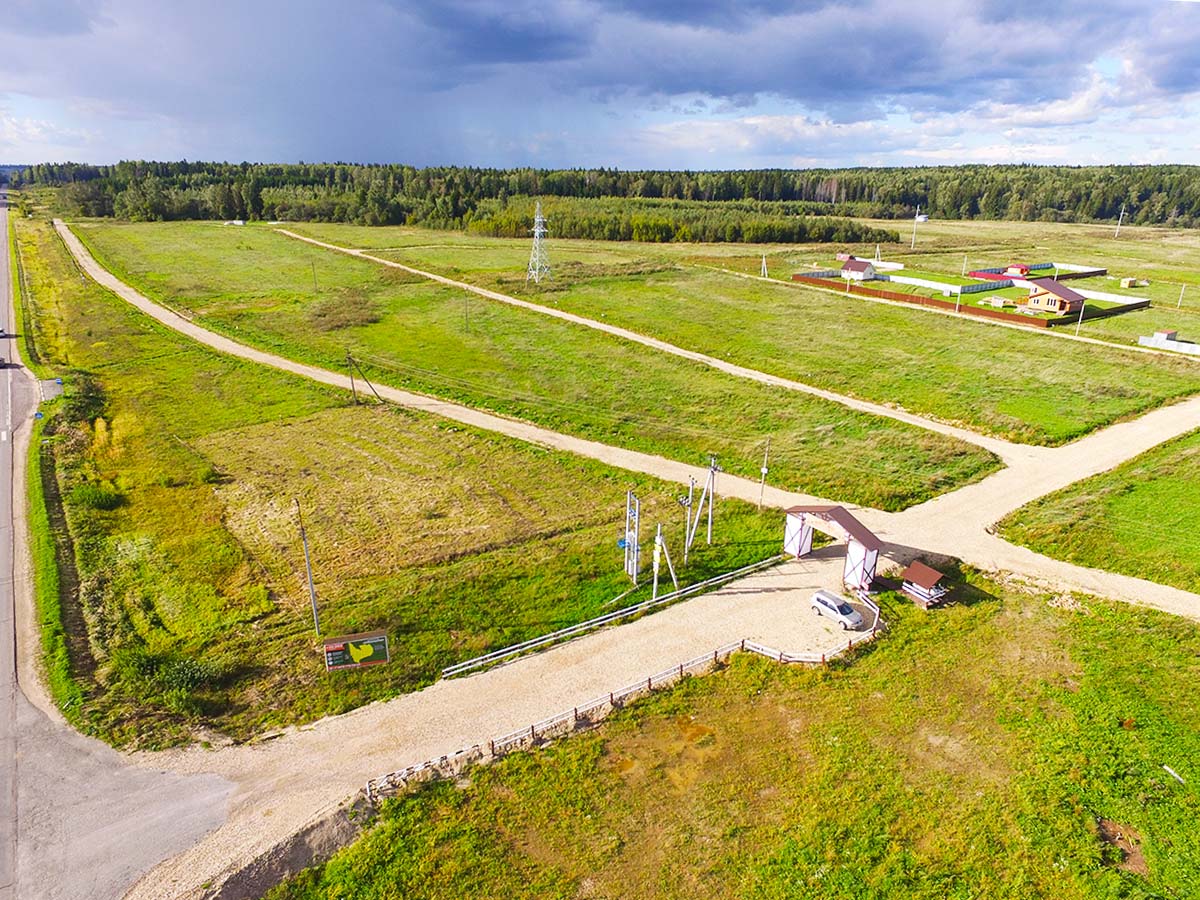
pixel 314 271
pixel 631 543
pixel 539 262
pixel 916 219
pixel 1120 219
pixel 350 365
pixel 686 503
pixel 467 311
pixel 964 271
pixel 660 549
pixel 764 266
pixel 762 485
pixel 312 591
pixel 1182 288
pixel 1080 322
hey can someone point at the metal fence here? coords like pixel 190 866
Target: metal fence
pixel 591 713
pixel 574 631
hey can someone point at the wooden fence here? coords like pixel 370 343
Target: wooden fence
pixel 593 712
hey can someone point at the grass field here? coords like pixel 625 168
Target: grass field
pixel 259 286
pixel 1002 748
pixel 184 601
pixel 960 371
pixel 1137 519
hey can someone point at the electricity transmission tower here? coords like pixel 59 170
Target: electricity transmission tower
pixel 539 262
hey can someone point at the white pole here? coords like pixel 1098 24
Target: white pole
pixel 712 477
pixel 762 485
pixel 1080 322
pixel 657 557
pixel 964 271
pixel 957 299
pixel 1120 219
pixel 764 266
pixel 670 568
pixel 917 216
pixel 1182 288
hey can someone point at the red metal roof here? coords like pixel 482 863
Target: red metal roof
pixel 856 265
pixel 840 516
pixel 921 575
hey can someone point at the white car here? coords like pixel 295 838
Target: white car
pixel 826 604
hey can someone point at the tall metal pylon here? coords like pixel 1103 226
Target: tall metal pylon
pixel 539 262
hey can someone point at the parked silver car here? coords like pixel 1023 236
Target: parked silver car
pixel 825 603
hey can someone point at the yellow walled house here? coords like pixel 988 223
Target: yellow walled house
pixel 1048 295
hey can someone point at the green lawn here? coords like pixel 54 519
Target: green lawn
pixel 258 286
pixel 981 750
pixel 960 371
pixel 174 470
pixel 1137 519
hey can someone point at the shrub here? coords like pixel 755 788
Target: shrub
pixel 95 496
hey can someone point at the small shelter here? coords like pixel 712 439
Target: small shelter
pixel 858 270
pixel 923 584
pixel 1017 270
pixel 862 546
pixel 1049 295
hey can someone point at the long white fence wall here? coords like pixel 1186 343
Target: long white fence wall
pixel 921 282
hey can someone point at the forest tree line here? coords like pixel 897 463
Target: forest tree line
pixel 457 196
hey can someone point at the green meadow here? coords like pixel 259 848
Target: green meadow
pixel 167 499
pixel 956 370
pixel 1137 519
pixel 315 305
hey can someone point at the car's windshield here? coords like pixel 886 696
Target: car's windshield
pixel 844 609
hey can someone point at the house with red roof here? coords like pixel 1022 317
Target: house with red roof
pixel 1048 295
pixel 858 270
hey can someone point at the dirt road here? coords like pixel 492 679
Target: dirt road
pixel 285 783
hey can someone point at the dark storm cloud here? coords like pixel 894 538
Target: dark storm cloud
pixel 453 80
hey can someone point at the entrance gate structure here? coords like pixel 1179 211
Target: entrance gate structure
pixel 862 546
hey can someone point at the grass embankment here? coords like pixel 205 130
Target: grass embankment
pixel 259 287
pixel 984 750
pixel 174 473
pixel 1137 519
pixel 957 370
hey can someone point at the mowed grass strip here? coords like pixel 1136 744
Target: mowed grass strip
pixel 176 474
pixel 984 750
pixel 314 305
pixel 1137 519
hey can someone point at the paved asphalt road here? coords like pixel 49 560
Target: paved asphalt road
pixel 77 820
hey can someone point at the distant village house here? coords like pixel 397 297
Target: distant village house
pixel 858 270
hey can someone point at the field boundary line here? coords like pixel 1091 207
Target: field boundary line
pixel 1024 329
pixel 1006 450
pixel 594 711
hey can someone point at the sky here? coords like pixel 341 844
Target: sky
pixel 662 84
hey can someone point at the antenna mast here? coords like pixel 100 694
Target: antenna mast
pixel 539 262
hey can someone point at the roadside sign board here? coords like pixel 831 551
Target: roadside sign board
pixel 355 651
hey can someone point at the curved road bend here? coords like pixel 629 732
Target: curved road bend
pixel 284 784
pixel 77 820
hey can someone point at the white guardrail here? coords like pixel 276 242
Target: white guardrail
pixel 574 631
pixel 591 713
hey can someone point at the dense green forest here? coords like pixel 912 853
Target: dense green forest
pixel 758 201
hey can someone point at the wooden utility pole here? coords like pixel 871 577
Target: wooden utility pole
pixel 350 365
pixel 1120 219
pixel 314 273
